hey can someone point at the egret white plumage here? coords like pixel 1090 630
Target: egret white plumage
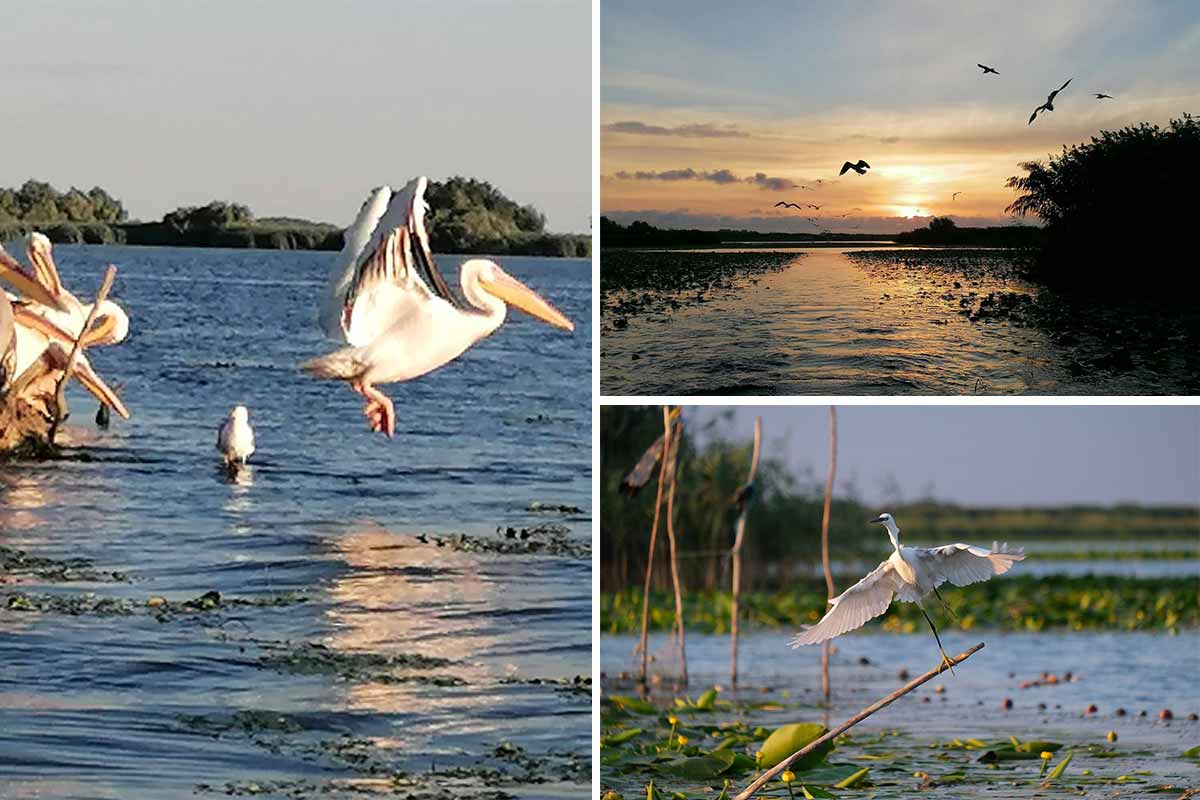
pixel 387 301
pixel 908 575
pixel 235 439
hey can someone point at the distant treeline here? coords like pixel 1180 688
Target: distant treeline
pixel 468 216
pixel 943 231
pixel 784 526
pixel 643 234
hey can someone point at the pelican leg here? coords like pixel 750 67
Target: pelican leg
pixel 379 409
pixel 945 659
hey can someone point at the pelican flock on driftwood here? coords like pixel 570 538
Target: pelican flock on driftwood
pixel 39 326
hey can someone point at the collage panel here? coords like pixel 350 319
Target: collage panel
pixel 855 199
pixel 295 408
pixel 884 601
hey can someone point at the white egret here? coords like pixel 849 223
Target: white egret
pixel 235 439
pixel 388 302
pixel 909 574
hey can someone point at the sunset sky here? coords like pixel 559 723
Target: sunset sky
pixel 712 112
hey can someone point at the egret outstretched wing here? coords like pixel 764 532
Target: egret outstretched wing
pixel 863 601
pixel 963 564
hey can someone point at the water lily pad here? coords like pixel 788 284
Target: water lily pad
pixel 632 704
pixel 790 738
pixel 1192 753
pixel 702 768
pixel 852 780
pixel 706 700
pixel 623 736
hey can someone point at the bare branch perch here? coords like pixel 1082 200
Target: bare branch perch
pixel 744 496
pixel 850 723
pixel 60 394
pixel 825 542
pixel 671 454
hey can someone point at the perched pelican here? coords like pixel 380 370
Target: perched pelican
pixel 909 574
pixel 66 310
pixel 861 167
pixel 388 302
pixel 987 70
pixel 47 320
pixel 1049 104
pixel 1101 96
pixel 235 439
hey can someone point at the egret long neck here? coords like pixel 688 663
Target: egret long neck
pixel 893 533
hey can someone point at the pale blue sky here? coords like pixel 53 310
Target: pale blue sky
pixel 991 455
pixel 299 108
pixel 790 90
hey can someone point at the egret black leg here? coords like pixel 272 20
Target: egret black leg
pixel 932 627
pixel 945 605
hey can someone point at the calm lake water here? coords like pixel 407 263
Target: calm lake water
pixel 825 325
pixel 313 674
pixel 1134 671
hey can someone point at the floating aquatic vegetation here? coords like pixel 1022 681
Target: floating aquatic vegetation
pixel 547 539
pixel 313 658
pixel 370 767
pixel 634 282
pixel 19 563
pixel 160 608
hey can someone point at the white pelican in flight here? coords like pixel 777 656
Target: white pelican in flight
pixel 388 302
pixel 47 320
pixel 909 574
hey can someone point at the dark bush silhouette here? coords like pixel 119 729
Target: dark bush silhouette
pixel 1107 203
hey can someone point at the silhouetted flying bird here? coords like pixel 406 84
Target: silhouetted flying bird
pixel 1049 104
pixel 986 70
pixel 861 167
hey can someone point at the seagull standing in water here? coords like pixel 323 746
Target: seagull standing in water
pixel 1049 104
pixel 908 575
pixel 235 439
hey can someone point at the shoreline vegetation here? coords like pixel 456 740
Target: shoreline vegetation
pixel 467 216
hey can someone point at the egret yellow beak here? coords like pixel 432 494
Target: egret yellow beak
pixel 12 274
pixel 517 294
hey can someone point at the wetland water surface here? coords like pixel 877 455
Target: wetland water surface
pixel 372 631
pixel 827 321
pixel 1130 671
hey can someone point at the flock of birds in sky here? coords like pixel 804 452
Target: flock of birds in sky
pixel 386 303
pixel 861 166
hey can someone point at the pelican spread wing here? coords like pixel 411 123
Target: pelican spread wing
pixel 385 273
pixel 863 601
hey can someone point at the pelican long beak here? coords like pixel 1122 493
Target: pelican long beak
pixel 41 257
pixel 515 293
pixel 35 321
pixel 103 331
pixel 12 274
pixel 99 389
